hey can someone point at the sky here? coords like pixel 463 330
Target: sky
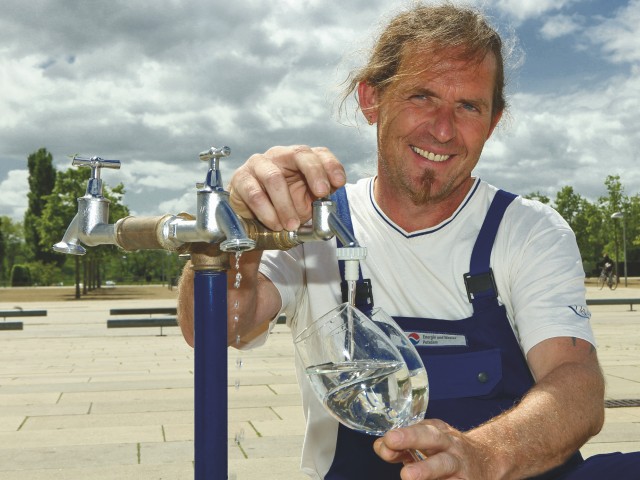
pixel 154 82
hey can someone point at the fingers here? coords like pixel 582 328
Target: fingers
pixel 430 437
pixel 330 172
pixel 278 187
pixel 439 466
pixel 249 196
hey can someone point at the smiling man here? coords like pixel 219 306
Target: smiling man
pixel 432 126
pixel 490 285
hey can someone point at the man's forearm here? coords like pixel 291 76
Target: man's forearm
pixel 552 421
pixel 250 305
pixel 252 300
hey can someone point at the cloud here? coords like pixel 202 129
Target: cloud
pixel 157 79
pixel 559 26
pixel 618 36
pixel 574 139
pixel 521 10
pixel 153 83
pixel 14 199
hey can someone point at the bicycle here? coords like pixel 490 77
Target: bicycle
pixel 609 278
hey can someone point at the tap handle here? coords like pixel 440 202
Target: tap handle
pixel 95 163
pixel 94 187
pixel 215 153
pixel 213 156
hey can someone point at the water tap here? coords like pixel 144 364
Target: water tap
pixel 90 224
pixel 215 219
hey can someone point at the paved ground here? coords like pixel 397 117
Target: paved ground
pixel 78 401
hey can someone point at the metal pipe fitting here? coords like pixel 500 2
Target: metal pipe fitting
pixel 144 233
pixel 215 221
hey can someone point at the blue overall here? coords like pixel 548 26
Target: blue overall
pixel 468 384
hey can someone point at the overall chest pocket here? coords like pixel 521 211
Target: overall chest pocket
pixel 460 375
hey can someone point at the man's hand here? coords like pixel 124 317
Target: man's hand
pixel 450 454
pixel 279 186
pixel 554 419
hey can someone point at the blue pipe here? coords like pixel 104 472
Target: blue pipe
pixel 210 383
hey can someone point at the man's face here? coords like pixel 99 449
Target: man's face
pixel 432 127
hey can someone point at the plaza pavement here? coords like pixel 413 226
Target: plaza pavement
pixel 78 401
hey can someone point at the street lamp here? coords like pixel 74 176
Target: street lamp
pixel 616 216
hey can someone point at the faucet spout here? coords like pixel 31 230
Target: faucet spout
pixel 231 225
pixel 341 231
pixel 325 224
pixel 70 242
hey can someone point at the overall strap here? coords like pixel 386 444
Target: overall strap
pixel 344 213
pixel 364 294
pixel 480 283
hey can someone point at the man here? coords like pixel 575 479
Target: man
pixel 528 389
pixel 607 264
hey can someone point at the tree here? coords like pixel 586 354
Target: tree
pixel 539 197
pixel 42 177
pixel 13 247
pixel 592 235
pixel 21 276
pixel 585 220
pixel 633 223
pixel 615 201
pixel 568 204
pixel 3 248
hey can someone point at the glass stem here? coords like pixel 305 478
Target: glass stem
pixel 417 455
pixel 351 292
pixel 351 299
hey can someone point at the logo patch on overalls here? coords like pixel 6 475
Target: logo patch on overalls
pixel 433 339
pixel 581 311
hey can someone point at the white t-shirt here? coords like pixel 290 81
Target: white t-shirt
pixel 535 261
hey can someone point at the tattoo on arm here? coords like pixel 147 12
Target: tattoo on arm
pixel 574 340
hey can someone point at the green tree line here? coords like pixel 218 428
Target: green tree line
pixel 598 230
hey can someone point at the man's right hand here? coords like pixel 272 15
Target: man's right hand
pixel 279 186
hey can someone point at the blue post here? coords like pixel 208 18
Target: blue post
pixel 210 402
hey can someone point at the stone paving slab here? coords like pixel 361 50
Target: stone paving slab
pixel 114 471
pixel 183 432
pixel 166 452
pixel 81 436
pixel 80 401
pixel 138 419
pixel 54 457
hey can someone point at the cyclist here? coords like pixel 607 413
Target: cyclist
pixel 606 274
pixel 607 265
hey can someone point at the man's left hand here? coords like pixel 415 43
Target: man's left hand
pixel 449 453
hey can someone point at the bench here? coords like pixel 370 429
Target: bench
pixel 614 301
pixel 17 313
pixel 143 322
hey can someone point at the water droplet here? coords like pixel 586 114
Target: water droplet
pixel 237 384
pixel 239 436
pixel 236 304
pixel 237 339
pixel 239 362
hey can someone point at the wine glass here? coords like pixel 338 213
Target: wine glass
pixel 417 372
pixel 359 374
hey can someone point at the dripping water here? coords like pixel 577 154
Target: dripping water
pixel 351 299
pixel 239 435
